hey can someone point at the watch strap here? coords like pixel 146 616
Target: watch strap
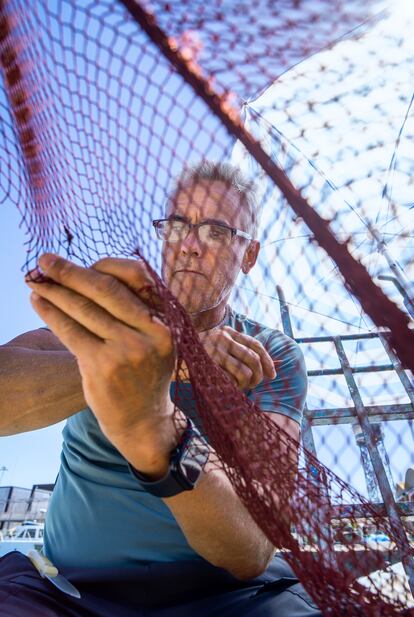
pixel 190 455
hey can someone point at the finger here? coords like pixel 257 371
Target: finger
pixel 250 358
pixel 221 343
pixel 268 365
pixel 240 372
pixel 74 336
pixel 103 289
pixel 82 310
pixel 133 273
pixel 182 373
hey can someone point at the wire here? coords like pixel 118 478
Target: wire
pixel 303 308
pixel 394 154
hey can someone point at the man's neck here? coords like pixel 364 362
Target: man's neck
pixel 210 318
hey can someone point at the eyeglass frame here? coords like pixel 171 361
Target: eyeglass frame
pixel 234 231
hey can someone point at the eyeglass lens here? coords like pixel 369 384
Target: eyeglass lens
pixel 208 233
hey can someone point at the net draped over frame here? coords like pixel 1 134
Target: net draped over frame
pixel 101 106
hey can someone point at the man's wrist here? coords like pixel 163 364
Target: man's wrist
pixel 148 446
pixel 186 465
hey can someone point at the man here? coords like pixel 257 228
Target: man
pixel 133 536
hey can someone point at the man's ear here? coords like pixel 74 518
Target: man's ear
pixel 250 256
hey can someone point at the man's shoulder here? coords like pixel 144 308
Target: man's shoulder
pixel 271 338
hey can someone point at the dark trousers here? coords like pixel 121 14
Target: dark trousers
pixel 180 589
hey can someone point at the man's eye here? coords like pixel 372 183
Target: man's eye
pixel 175 225
pixel 217 232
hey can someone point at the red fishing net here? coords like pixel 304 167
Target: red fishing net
pixel 102 106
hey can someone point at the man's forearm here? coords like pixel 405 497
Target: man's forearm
pixel 219 527
pixel 212 517
pixel 39 388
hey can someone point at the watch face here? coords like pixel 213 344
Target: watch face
pixel 194 456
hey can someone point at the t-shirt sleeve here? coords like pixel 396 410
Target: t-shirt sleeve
pixel 286 394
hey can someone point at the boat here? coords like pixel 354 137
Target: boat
pixel 24 538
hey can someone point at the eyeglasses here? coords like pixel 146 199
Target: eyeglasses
pixel 212 234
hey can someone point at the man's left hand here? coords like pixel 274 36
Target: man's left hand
pixel 126 355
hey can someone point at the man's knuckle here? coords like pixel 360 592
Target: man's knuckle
pixel 257 346
pixel 85 306
pixel 107 286
pixel 66 329
pixel 246 371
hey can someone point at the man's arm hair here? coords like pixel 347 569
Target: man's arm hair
pixel 40 382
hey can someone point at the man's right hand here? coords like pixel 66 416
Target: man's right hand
pixel 243 357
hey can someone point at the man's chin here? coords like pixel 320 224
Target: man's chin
pixel 190 300
pixel 192 305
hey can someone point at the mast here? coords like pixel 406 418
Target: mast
pixel 405 287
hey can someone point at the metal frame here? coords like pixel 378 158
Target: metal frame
pixel 366 425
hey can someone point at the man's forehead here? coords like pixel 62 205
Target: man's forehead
pixel 206 200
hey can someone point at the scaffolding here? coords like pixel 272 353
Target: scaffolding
pixel 367 430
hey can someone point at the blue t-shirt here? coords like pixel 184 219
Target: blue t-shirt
pixel 100 517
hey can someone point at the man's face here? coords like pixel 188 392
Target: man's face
pixel 198 274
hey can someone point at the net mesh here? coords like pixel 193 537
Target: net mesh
pixel 103 105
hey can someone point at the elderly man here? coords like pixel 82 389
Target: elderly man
pixel 127 524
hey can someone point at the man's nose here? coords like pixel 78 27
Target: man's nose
pixel 191 245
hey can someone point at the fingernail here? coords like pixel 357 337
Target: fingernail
pixel 33 275
pixel 47 260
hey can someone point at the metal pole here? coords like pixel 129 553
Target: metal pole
pixel 2 472
pixel 407 293
pixel 402 282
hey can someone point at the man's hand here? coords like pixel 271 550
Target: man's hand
pixel 243 357
pixel 125 355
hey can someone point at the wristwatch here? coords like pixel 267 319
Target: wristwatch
pixel 187 462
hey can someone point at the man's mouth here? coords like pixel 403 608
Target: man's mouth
pixel 188 271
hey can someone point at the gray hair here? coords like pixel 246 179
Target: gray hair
pixel 231 176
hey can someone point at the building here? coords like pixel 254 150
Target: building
pixel 22 504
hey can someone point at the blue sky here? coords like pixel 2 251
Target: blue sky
pixel 32 457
